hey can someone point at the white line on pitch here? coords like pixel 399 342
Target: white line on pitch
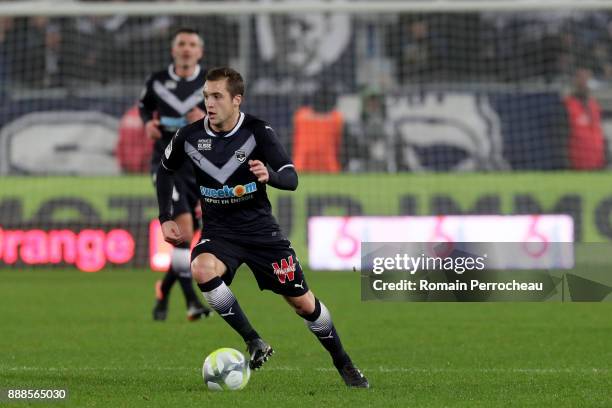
pixel 381 369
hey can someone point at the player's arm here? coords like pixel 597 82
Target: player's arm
pixel 284 179
pixel 172 159
pixel 280 171
pixel 146 109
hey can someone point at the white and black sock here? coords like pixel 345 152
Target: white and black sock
pixel 180 264
pixel 221 298
pixel 320 324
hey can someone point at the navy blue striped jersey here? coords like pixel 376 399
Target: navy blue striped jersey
pixel 233 201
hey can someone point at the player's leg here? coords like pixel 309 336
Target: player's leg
pixel 184 201
pixel 319 321
pixel 162 293
pixel 163 286
pixel 208 271
pixel 180 266
pixel 278 269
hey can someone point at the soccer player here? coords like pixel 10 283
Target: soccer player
pixel 172 99
pixel 236 156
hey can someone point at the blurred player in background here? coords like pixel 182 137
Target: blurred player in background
pixel 235 157
pixel 587 143
pixel 172 99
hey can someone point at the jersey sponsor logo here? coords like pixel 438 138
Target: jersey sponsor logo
pixel 172 122
pixel 286 270
pixel 229 192
pixel 170 84
pixel 204 144
pixel 240 155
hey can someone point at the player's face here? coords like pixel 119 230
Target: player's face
pixel 222 109
pixel 187 50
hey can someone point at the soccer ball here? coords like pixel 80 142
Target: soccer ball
pixel 226 369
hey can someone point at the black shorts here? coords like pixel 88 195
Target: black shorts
pixel 274 263
pixel 185 194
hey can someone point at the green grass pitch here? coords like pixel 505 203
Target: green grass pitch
pixel 92 334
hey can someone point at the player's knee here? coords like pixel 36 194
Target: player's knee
pixel 303 305
pixel 204 268
pixel 302 309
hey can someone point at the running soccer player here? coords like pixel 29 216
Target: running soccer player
pixel 172 99
pixel 236 156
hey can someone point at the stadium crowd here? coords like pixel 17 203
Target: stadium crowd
pixel 467 51
pixel 494 47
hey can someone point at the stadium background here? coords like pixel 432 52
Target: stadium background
pixel 472 121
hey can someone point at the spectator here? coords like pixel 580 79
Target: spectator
pixel 35 58
pixel 142 42
pixel 369 141
pixel 586 145
pixel 318 133
pixel 134 148
pixel 6 25
pixel 409 44
pixel 90 37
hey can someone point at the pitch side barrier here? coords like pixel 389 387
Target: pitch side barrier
pixel 34 204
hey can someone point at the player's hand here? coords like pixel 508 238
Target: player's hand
pixel 172 233
pixel 259 170
pixel 152 129
pixel 195 114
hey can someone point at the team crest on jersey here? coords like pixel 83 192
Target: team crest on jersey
pixel 240 155
pixel 169 84
pixel 204 144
